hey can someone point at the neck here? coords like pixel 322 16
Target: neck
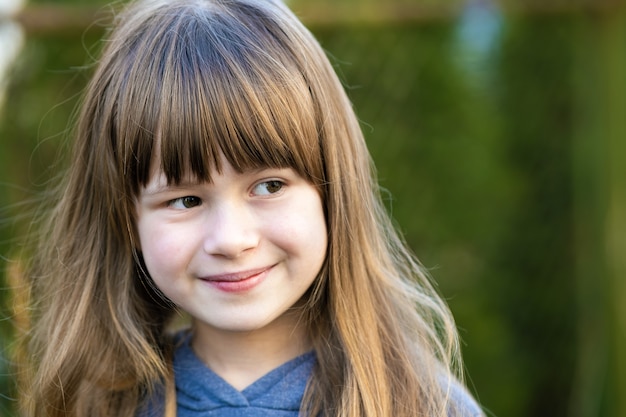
pixel 241 358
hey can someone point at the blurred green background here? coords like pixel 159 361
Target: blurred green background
pixel 499 133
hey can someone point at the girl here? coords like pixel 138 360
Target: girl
pixel 219 171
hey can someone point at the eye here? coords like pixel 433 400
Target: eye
pixel 268 187
pixel 186 202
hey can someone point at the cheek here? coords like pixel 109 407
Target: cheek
pixel 302 231
pixel 314 237
pixel 162 252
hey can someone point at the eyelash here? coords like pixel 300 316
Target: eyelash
pixel 279 183
pixel 183 200
pixel 196 201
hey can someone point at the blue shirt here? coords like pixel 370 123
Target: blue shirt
pixel 201 392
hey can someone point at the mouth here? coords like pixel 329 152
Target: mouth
pixel 238 281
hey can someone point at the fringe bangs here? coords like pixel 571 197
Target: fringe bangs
pixel 249 102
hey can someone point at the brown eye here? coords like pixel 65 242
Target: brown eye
pixel 185 202
pixel 268 187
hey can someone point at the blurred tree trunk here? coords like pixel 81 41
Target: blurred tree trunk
pixel 600 192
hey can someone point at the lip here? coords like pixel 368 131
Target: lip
pixel 238 281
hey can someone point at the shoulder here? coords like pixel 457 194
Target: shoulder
pixel 461 402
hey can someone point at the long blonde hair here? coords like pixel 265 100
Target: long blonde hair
pixel 195 79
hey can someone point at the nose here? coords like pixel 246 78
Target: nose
pixel 230 231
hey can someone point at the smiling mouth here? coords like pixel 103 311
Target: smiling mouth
pixel 238 281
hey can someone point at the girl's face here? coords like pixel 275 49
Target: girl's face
pixel 235 253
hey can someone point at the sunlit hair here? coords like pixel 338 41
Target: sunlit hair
pixel 179 84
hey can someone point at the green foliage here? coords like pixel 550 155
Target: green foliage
pixel 534 259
